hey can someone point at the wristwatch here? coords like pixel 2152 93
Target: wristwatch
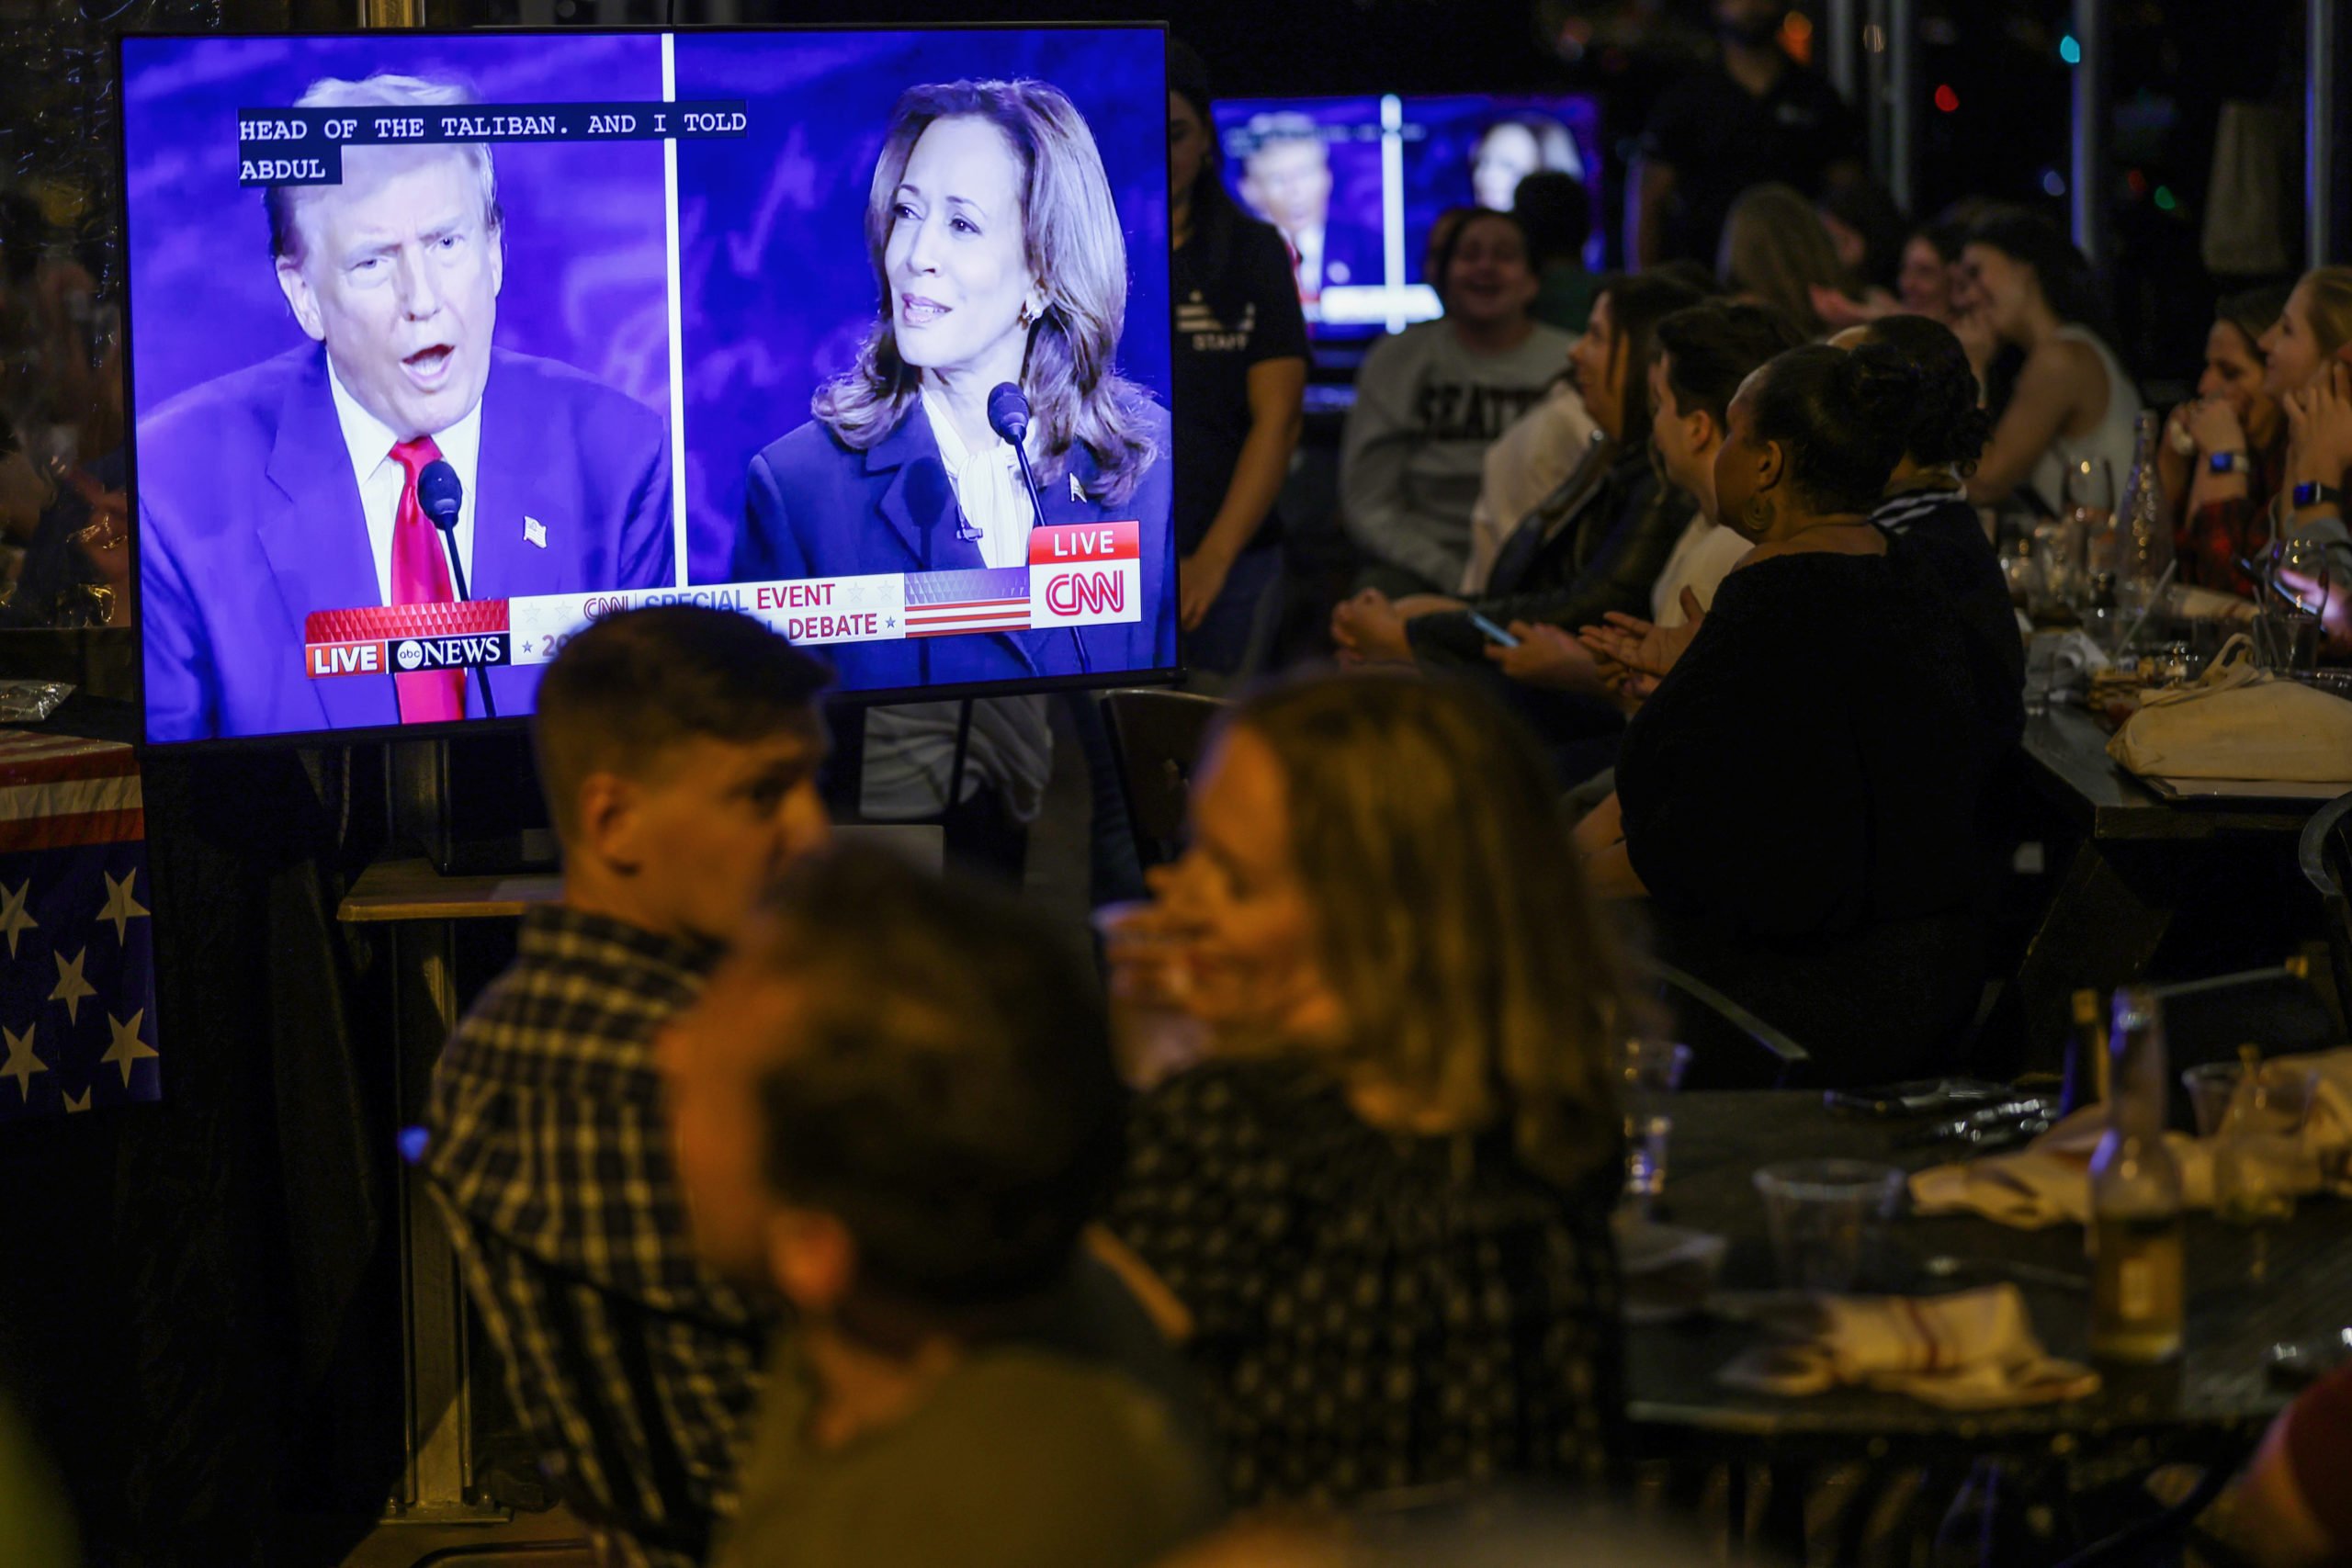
pixel 2311 494
pixel 2227 462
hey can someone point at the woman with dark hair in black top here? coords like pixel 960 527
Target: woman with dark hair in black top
pixel 1800 796
pixel 1239 368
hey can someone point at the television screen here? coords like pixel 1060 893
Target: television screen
pixel 1356 184
pixel 444 345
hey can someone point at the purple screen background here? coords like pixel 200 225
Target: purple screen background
pixel 1437 165
pixel 585 237
pixel 778 290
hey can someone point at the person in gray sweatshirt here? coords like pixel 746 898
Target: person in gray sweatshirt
pixel 1429 400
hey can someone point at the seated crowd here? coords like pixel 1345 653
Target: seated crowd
pixel 819 1215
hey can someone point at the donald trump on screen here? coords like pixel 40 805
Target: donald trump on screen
pixel 291 486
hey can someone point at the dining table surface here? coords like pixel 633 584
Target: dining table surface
pixel 2221 1382
pixel 2125 863
pixel 2066 748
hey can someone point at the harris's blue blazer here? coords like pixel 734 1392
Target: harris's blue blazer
pixel 817 508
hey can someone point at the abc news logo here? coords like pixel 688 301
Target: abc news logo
pixel 408 656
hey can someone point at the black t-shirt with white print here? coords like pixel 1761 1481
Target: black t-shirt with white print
pixel 1234 310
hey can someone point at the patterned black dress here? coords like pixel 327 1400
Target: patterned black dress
pixel 1372 1313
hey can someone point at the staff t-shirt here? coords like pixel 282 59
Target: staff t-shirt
pixel 1229 317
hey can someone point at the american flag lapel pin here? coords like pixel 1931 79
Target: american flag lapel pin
pixel 536 532
pixel 1077 491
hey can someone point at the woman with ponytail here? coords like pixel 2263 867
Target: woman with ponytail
pixel 1413 1010
pixel 1798 798
pixel 1927 511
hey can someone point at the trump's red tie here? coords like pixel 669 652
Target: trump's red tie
pixel 421 576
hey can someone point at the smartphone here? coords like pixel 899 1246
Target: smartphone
pixel 1494 633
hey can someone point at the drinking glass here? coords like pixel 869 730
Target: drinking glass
pixel 2287 633
pixel 2106 625
pixel 2103 538
pixel 1148 954
pixel 2302 575
pixel 1828 1219
pixel 2211 1087
pixel 1649 1070
pixel 2286 641
pixel 2085 512
pixel 2041 672
pixel 2259 1162
pixel 2021 571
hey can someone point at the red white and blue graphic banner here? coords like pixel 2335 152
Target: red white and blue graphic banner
pixel 1078 575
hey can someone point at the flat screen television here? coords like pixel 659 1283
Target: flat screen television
pixel 1355 185
pixel 443 345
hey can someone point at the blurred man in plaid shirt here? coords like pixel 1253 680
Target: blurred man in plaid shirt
pixel 679 749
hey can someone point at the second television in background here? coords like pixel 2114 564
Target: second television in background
pixel 1355 185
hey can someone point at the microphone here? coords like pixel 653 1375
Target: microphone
pixel 1008 412
pixel 1009 417
pixel 441 495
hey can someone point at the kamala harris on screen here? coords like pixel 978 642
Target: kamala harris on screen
pixel 998 258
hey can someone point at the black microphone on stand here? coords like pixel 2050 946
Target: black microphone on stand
pixel 441 495
pixel 1009 417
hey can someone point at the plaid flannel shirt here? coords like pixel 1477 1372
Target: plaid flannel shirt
pixel 634 1366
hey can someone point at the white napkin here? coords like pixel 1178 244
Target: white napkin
pixel 2074 660
pixel 1975 1351
pixel 2048 1182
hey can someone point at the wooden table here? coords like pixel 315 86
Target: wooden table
pixel 2133 851
pixel 2218 1393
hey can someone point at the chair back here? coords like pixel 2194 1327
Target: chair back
pixel 1730 1047
pixel 1158 737
pixel 2207 1020
pixel 2325 854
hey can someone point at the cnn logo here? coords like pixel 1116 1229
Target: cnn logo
pixel 1087 593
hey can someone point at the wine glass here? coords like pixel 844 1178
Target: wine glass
pixel 2086 504
pixel 2260 1161
pixel 2302 574
pixel 2287 629
pixel 2088 507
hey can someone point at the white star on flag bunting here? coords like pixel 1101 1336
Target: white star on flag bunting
pixel 127 1048
pixel 121 907
pixel 72 855
pixel 13 919
pixel 71 987
pixel 21 1063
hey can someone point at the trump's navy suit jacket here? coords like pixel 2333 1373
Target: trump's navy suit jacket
pixel 250 519
pixel 817 508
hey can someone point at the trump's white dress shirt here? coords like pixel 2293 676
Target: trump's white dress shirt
pixel 371 442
